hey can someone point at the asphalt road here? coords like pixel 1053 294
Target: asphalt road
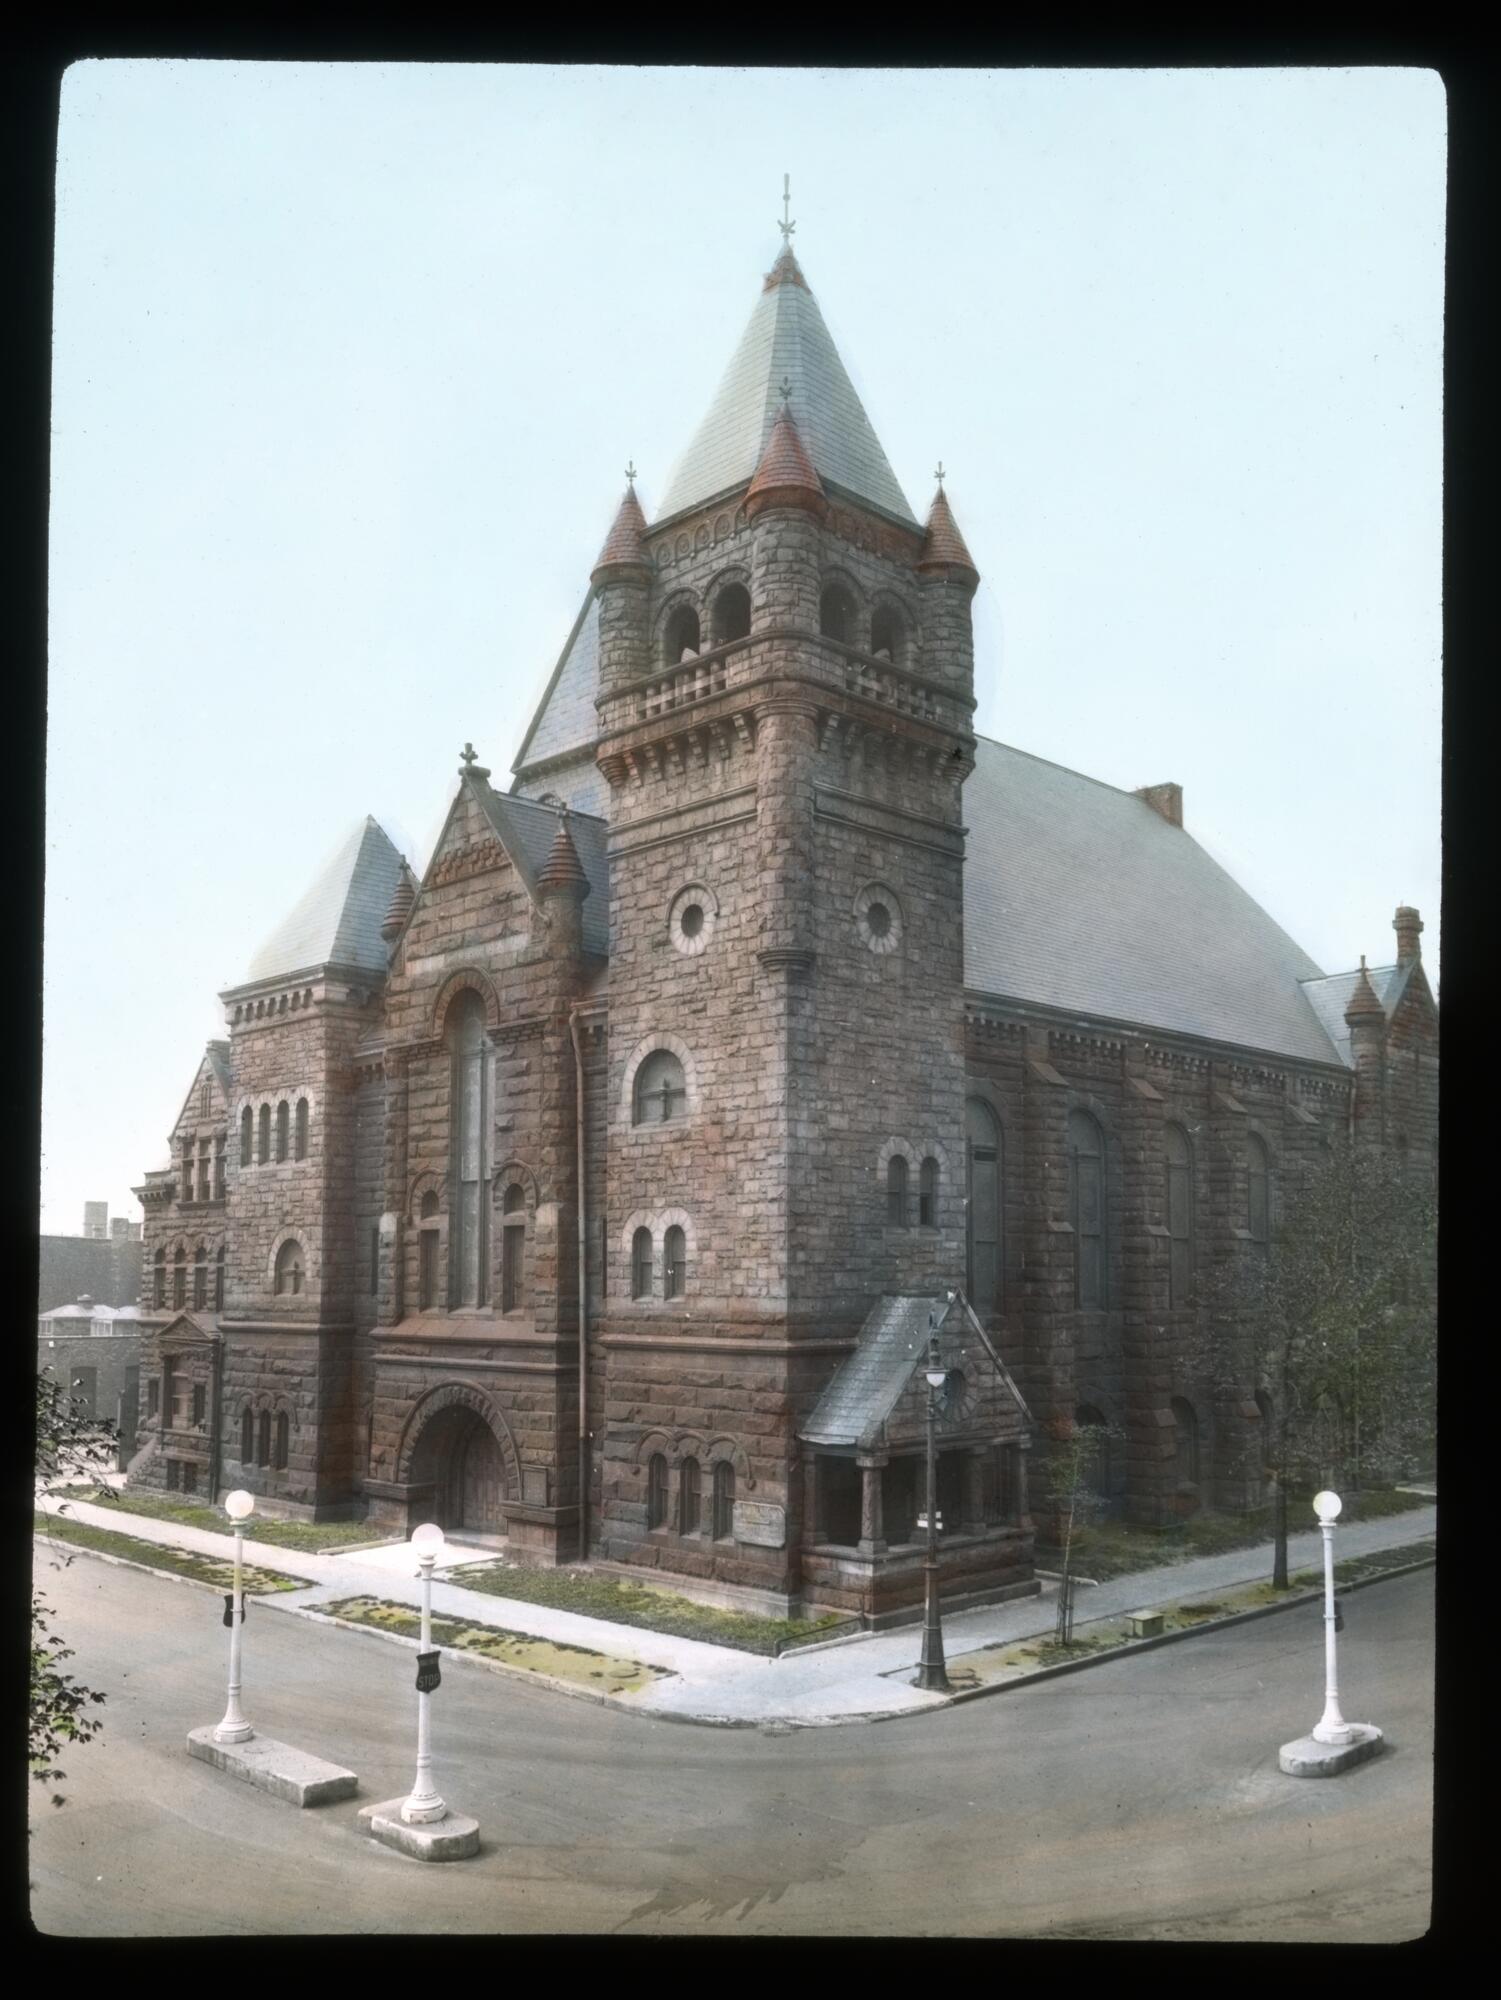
pixel 1140 1799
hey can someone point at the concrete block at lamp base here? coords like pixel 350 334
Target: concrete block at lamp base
pixel 1308 1758
pixel 293 1775
pixel 452 1838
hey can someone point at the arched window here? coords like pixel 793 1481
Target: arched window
pixel 661 1089
pixel 681 635
pixel 1088 1418
pixel 656 1491
pixel 927 1194
pixel 674 1263
pixel 983 1143
pixel 1180 1216
pixel 187 1172
pixel 180 1279
pixel 836 614
pixel 690 1498
pixel 263 1439
pixel 1258 1190
pixel 722 1526
pixel 1187 1427
pixel 247 1135
pixel 1086 1160
pixel 427 1253
pixel 289 1268
pixel 896 1191
pixel 283 1438
pixel 283 1128
pixel 641 1261
pixel 200 1277
pixel 263 1150
pixel 732 614
pixel 301 1143
pixel 469 1215
pixel 219 1282
pixel 247 1436
pixel 512 1249
pixel 887 633
pixel 161 1277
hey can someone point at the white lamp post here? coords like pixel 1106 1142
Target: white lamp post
pixel 1331 1726
pixel 424 1805
pixel 234 1728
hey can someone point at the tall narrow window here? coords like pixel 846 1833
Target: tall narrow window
pixel 153 1397
pixel 512 1250
pixel 181 1398
pixel 263 1149
pixel 219 1180
pixel 723 1524
pixel 680 635
pixel 205 1099
pixel 161 1277
pixel 887 633
pixel 468 1260
pixel 263 1439
pixel 1186 1423
pixel 180 1279
pixel 219 1282
pixel 656 1491
pixel 731 617
pixel 283 1434
pixel 1258 1189
pixel 187 1172
pixel 247 1436
pixel 283 1127
pixel 247 1135
pixel 289 1269
pixel 983 1144
pixel 200 1405
pixel 641 1264
pixel 675 1263
pixel 927 1194
pixel 427 1254
pixel 896 1191
pixel 200 1277
pixel 661 1089
pixel 1180 1217
pixel 302 1117
pixel 203 1170
pixel 690 1498
pixel 836 614
pixel 1086 1158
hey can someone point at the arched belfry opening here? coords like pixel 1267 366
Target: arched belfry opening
pixel 681 636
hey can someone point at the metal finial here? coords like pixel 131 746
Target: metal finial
pixel 938 475
pixel 786 225
pixel 630 473
pixel 468 754
pixel 786 388
pixel 559 806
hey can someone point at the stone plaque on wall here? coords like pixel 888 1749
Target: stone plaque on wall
pixel 761 1523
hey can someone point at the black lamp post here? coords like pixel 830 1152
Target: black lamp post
pixel 931 1673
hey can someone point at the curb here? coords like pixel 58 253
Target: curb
pixel 168 1575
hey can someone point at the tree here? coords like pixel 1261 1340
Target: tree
pixel 1332 1326
pixel 1072 1475
pixel 68 1440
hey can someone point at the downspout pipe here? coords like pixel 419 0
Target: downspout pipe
pixel 583 1285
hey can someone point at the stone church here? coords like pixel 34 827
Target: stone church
pixel 602 1193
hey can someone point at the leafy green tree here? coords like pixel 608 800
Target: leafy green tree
pixel 1333 1326
pixel 68 1440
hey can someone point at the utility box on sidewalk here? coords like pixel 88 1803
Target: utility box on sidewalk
pixel 1144 1624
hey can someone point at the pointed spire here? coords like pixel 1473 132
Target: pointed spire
pixel 1363 1004
pixel 562 871
pixel 626 541
pixel 943 546
pixel 403 899
pixel 785 476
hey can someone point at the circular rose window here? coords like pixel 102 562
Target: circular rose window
pixel 878 917
pixel 690 921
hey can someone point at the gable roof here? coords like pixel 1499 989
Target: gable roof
pixel 526 831
pixel 867 1383
pixel 785 338
pixel 337 920
pixel 1081 898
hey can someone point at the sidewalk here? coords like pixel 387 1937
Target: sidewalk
pixel 847 1681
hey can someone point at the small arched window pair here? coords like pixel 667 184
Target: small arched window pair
pixel 674 1264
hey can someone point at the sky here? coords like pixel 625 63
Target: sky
pixel 349 359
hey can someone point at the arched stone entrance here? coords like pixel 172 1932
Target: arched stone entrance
pixel 458 1444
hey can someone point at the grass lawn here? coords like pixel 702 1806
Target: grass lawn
pixel 1117 1548
pixel 175 1562
pixel 626 1603
pixel 604 1672
pixel 308 1535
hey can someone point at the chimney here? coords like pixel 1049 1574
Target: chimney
pixel 1164 799
pixel 1408 925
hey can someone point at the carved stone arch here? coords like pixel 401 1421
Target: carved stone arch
pixel 682 598
pixel 650 1445
pixel 687 1444
pixel 639 1218
pixel 465 979
pixel 309 1262
pixel 665 1218
pixel 722 1449
pixel 908 1152
pixel 516 1173
pixel 425 1183
pixel 466 1395
pixel 648 1045
pixel 934 1149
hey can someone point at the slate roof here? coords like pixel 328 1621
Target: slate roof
pixel 566 717
pixel 218 1056
pixel 1329 997
pixel 1082 898
pixel 868 1381
pixel 338 920
pixel 787 337
pixel 526 831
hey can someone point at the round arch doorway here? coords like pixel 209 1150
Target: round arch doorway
pixel 458 1453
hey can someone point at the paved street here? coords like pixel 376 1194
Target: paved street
pixel 1136 1799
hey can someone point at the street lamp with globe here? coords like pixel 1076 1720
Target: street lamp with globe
pixel 239 1506
pixel 424 1805
pixel 932 1674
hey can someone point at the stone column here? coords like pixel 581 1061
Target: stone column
pixel 872 1528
